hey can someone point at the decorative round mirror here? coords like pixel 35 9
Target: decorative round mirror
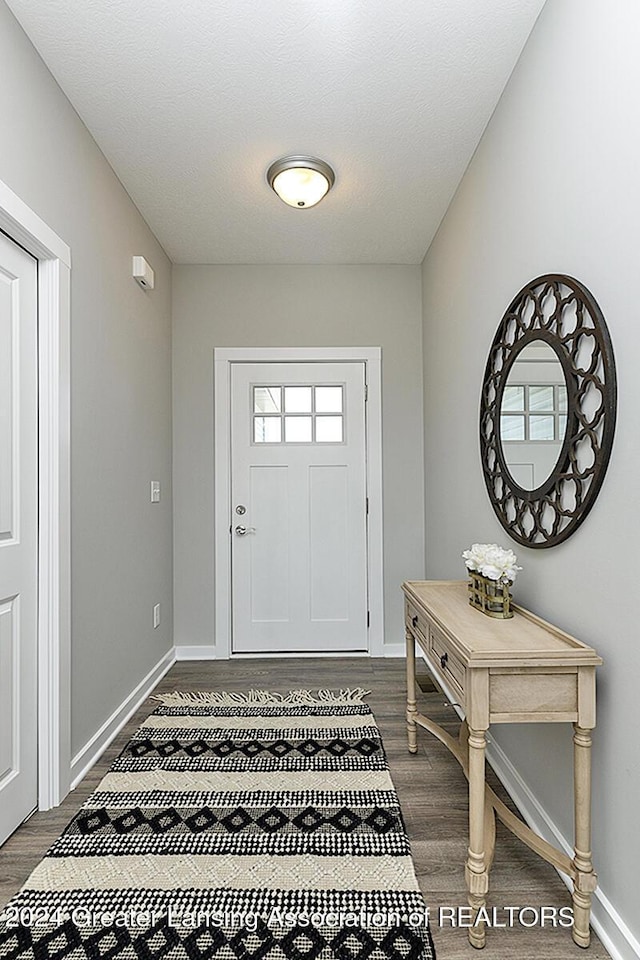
pixel 548 410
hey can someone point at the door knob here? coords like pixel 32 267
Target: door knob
pixel 243 531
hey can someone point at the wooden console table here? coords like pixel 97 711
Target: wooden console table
pixel 522 670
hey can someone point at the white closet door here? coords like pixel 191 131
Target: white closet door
pixel 18 535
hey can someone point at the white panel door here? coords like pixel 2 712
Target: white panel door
pixel 298 513
pixel 18 535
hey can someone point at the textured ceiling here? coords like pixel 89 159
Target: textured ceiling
pixel 190 103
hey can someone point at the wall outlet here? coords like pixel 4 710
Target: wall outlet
pixel 156 616
pixel 155 491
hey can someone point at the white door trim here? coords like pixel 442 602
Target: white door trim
pixel 223 358
pixel 54 643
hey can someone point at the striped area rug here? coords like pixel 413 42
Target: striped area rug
pixel 253 826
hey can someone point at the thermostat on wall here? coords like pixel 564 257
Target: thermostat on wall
pixel 143 273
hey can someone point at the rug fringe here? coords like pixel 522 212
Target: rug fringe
pixel 180 698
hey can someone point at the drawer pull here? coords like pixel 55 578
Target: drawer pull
pixel 414 621
pixel 443 660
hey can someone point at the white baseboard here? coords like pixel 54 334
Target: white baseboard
pixel 195 652
pixel 605 920
pixel 394 650
pixel 95 747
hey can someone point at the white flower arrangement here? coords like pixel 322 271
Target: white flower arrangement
pixel 492 562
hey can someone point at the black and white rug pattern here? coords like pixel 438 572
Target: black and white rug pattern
pixel 253 826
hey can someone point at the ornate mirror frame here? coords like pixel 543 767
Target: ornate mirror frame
pixel 560 311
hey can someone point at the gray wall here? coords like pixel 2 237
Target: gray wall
pixel 553 187
pixel 237 306
pixel 120 385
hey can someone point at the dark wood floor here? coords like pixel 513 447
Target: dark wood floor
pixel 431 787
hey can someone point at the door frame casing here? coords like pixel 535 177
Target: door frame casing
pixel 223 358
pixel 25 227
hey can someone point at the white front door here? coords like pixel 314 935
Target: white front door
pixel 18 535
pixel 299 507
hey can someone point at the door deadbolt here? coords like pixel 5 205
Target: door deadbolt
pixel 241 509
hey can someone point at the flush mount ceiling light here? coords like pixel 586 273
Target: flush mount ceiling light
pixel 301 181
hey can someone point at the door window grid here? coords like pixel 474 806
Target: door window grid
pixel 534 412
pixel 312 413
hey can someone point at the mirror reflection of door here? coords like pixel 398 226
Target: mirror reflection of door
pixel 533 415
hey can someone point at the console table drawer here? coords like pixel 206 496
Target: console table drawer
pixel 547 695
pixel 417 622
pixel 443 656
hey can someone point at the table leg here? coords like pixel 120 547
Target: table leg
pixel 463 741
pixel 489 835
pixel 585 879
pixel 412 730
pixel 476 874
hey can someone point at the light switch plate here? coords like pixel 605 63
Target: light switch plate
pixel 155 491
